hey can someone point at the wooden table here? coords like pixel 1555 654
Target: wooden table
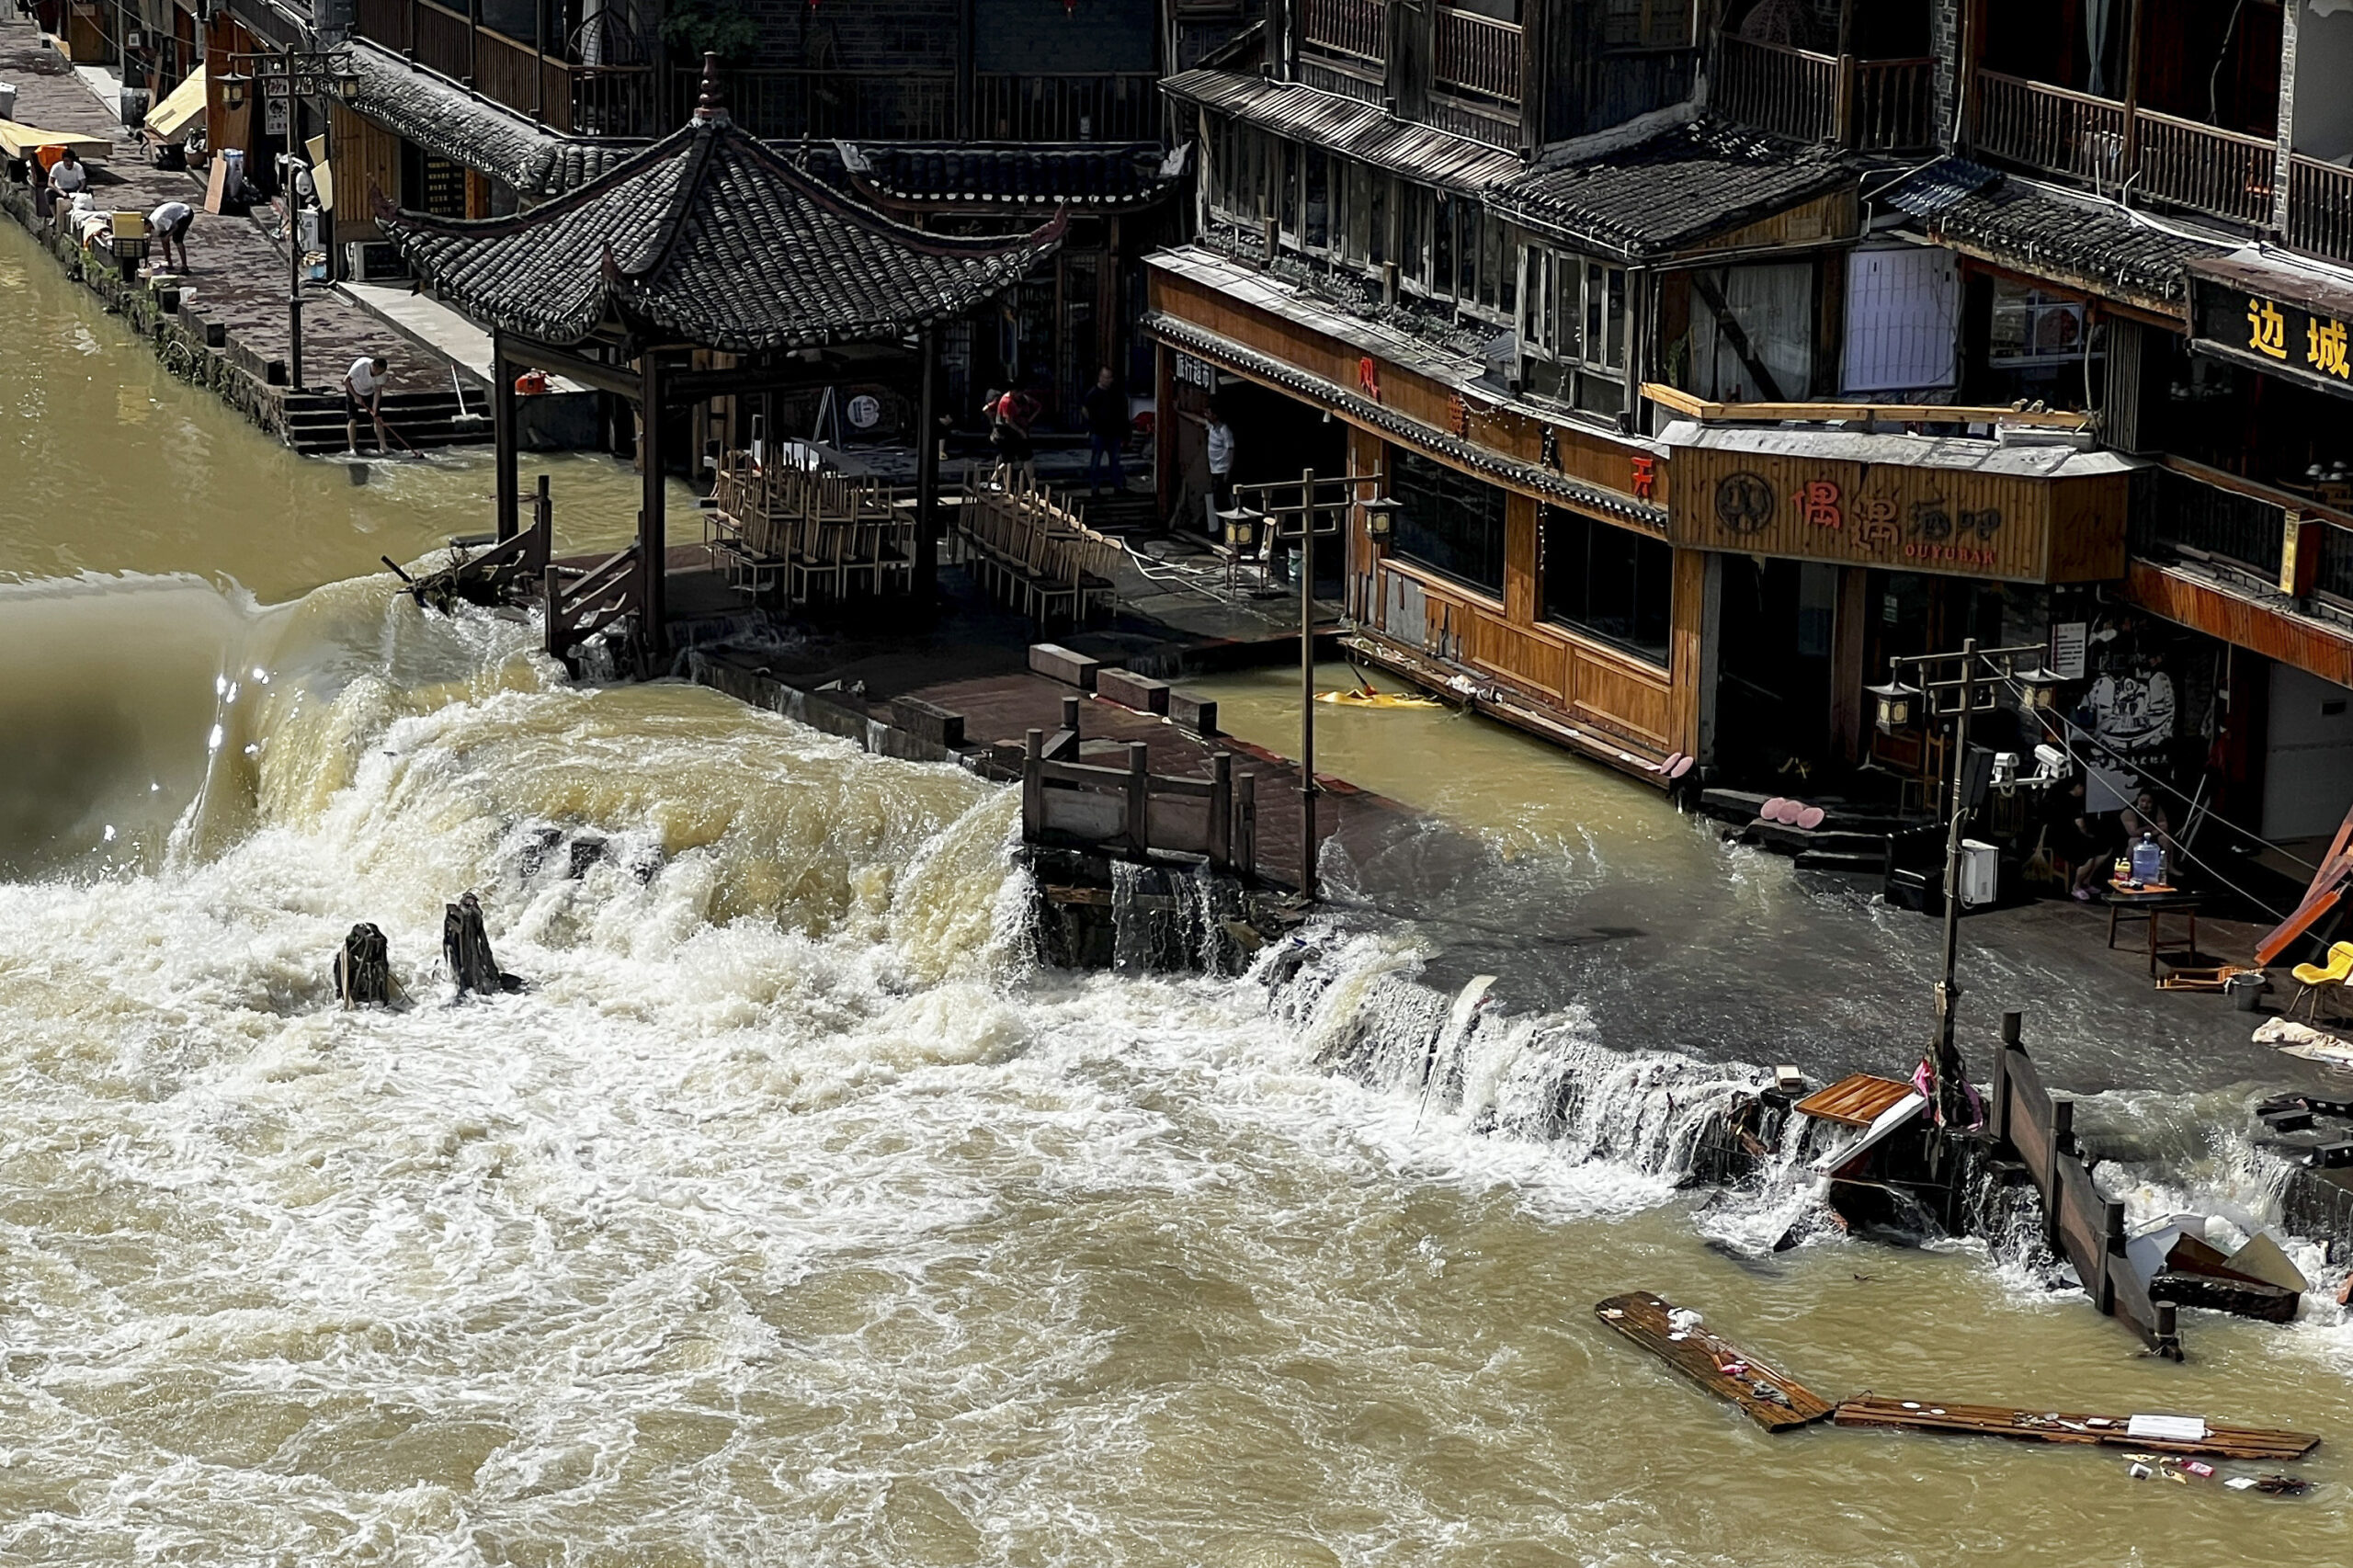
pixel 2149 905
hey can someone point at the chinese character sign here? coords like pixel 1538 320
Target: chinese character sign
pixel 2324 348
pixel 1817 503
pixel 2266 329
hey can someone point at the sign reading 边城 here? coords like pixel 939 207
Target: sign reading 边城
pixel 2251 319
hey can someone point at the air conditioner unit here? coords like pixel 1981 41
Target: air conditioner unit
pixel 1981 872
pixel 371 261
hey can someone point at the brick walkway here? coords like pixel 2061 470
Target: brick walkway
pixel 237 273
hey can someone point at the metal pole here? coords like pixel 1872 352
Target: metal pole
pixel 293 282
pixel 1307 844
pixel 927 561
pixel 1947 1067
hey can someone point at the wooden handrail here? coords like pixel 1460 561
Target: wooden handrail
pixel 1708 413
pixel 2255 490
pixel 2047 89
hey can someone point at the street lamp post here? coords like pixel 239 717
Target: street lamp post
pixel 1286 524
pixel 1955 686
pixel 292 77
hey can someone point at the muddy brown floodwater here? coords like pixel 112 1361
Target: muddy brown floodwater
pixel 791 1214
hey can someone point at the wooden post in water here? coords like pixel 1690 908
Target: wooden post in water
pixel 543 520
pixel 1138 797
pixel 1033 786
pixel 1307 844
pixel 1245 824
pixel 2111 1253
pixel 2063 1127
pixel 2012 1025
pixel 1221 820
pixel 551 592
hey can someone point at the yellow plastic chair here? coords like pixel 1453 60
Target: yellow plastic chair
pixel 2316 978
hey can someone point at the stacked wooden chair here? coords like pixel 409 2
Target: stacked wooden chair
pixel 826 537
pixel 1031 553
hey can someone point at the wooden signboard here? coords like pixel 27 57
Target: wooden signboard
pixel 1905 516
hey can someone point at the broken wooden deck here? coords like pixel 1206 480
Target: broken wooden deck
pixel 2259 1443
pixel 1772 1398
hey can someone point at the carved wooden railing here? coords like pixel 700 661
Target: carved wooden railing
pixel 1477 54
pixel 1133 812
pixel 1892 106
pixel 1110 106
pixel 589 100
pixel 590 601
pixel 1345 27
pixel 2204 167
pixel 1793 92
pixel 2051 129
pixel 2320 207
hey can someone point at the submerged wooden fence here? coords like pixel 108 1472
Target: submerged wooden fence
pixel 1134 812
pixel 2077 1220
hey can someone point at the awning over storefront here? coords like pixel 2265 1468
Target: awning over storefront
pixel 181 111
pixel 2284 320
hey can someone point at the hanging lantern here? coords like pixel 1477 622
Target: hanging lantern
pixel 2038 690
pixel 1894 700
pixel 233 88
pixel 1380 516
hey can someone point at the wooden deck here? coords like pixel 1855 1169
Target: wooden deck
pixel 1774 1400
pixel 2257 1443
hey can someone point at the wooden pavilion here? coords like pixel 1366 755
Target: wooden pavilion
pixel 706 240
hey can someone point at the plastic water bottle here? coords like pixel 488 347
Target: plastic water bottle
pixel 2148 859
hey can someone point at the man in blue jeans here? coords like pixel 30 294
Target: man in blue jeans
pixel 1107 431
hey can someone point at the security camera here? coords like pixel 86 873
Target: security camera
pixel 2051 762
pixel 2006 769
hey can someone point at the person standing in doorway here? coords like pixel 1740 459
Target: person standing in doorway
pixel 1107 432
pixel 169 224
pixel 363 391
pixel 1220 460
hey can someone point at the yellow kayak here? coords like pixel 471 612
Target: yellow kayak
pixel 1367 698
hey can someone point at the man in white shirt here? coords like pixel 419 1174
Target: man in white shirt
pixel 1220 460
pixel 67 177
pixel 169 226
pixel 363 389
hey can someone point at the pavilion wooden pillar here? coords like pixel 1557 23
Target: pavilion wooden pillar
pixel 652 533
pixel 926 566
pixel 505 435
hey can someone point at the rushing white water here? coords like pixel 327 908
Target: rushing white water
pixel 792 1214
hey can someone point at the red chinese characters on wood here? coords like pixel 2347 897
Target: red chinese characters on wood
pixel 1645 477
pixel 1819 503
pixel 1368 378
pixel 1458 412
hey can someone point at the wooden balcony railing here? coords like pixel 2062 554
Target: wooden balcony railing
pixel 2204 167
pixel 1103 106
pixel 2320 207
pixel 879 106
pixel 586 100
pixel 1477 54
pixel 2183 506
pixel 1345 27
pixel 1792 92
pixel 1893 105
pixel 2051 129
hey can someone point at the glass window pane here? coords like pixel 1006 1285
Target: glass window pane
pixel 1449 522
pixel 1377 221
pixel 1468 282
pixel 1319 200
pixel 1610 583
pixel 1510 266
pixel 1614 349
pixel 1442 244
pixel 1288 175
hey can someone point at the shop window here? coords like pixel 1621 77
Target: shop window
pixel 1376 221
pixel 1646 24
pixel 1442 215
pixel 1285 169
pixel 1319 200
pixel 1608 582
pixel 1467 269
pixel 1573 330
pixel 2031 327
pixel 1412 262
pixel 1449 522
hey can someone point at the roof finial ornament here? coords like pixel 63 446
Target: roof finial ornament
pixel 711 107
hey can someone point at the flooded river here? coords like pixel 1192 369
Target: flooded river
pixel 792 1214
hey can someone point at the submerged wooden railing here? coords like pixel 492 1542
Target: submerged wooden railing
pixel 2077 1220
pixel 1132 812
pixel 590 601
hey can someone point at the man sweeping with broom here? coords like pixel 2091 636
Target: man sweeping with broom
pixel 363 391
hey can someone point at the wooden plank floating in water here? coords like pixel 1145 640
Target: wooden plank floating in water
pixel 2156 1435
pixel 1857 1101
pixel 1773 1400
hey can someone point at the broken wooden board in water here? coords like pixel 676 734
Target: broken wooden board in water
pixel 2149 1434
pixel 1773 1400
